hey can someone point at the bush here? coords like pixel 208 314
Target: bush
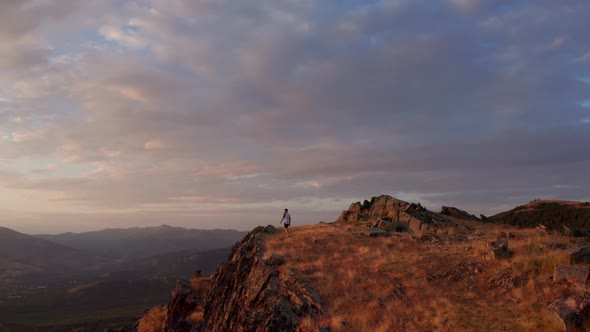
pixel 153 320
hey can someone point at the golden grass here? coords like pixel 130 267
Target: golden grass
pixel 153 320
pixel 400 284
pixel 197 317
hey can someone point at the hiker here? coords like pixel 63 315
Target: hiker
pixel 287 220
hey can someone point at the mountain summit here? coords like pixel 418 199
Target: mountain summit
pixel 437 273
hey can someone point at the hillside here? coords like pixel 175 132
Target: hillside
pixel 25 258
pixel 46 286
pixel 99 299
pixel 552 214
pixel 138 243
pixel 346 276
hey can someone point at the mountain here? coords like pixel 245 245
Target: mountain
pixel 336 277
pixel 552 214
pixel 138 243
pixel 111 276
pixel 24 257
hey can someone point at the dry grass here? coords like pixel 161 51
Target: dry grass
pixel 197 317
pixel 153 320
pixel 400 284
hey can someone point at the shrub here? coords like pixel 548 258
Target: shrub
pixel 152 320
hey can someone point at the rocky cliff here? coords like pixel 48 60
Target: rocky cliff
pixel 247 293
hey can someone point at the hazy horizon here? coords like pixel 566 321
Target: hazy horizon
pixel 219 114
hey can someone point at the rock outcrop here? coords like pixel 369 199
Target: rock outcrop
pixel 573 311
pixel 386 210
pixel 457 213
pixel 499 249
pixel 183 302
pixel 571 274
pixel 581 256
pixel 247 293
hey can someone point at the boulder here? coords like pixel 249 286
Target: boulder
pixel 580 256
pixel 270 229
pixel 499 249
pixel 573 312
pixel 571 274
pixel 274 260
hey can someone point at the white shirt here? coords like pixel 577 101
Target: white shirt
pixel 287 218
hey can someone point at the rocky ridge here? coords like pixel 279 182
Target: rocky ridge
pixel 391 214
pixel 247 293
pixel 564 216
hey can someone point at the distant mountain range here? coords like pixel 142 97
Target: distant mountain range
pixel 23 257
pixel 138 243
pixel 105 276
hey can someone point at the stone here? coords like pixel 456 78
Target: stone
pixel 270 229
pixel 580 256
pixel 182 303
pixel 570 274
pixel 376 232
pixel 274 260
pixel 499 249
pixel 391 226
pixel 573 312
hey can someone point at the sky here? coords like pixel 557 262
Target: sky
pixel 220 113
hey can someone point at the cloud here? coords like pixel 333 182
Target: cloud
pixel 126 37
pixel 154 144
pixel 168 106
pixel 558 42
pixel 583 57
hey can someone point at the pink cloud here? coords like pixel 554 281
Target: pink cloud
pixel 557 42
pixel 583 57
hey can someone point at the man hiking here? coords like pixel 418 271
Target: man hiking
pixel 287 220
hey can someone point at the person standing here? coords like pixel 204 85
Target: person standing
pixel 286 221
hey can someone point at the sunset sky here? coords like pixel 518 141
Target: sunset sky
pixel 220 113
